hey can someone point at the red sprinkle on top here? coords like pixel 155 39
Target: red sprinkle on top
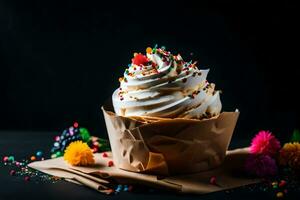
pixel 139 59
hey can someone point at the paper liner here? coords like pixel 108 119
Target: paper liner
pixel 168 146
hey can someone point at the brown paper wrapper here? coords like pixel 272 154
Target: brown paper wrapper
pixel 101 178
pixel 168 146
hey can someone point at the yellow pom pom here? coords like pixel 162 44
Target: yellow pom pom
pixel 79 153
pixel 290 155
pixel 149 50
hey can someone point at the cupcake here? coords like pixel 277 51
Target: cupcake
pixel 165 118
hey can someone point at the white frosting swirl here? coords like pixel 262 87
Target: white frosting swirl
pixel 165 86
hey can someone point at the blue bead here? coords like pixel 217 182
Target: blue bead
pixel 120 187
pixel 64 132
pixel 56 144
pixel 39 153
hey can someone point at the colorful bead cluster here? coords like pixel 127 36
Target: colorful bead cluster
pixel 69 135
pixel 76 133
pixel 20 169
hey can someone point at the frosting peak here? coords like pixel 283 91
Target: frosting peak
pixel 161 84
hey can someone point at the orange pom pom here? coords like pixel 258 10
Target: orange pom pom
pixel 79 153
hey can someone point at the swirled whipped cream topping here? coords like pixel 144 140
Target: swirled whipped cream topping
pixel 160 84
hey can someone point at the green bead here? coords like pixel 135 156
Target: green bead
pixel 11 158
pixel 58 154
pixel 53 156
pixel 275 186
pixel 127 71
pixel 296 136
pixel 85 135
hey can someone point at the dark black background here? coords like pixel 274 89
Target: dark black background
pixel 60 60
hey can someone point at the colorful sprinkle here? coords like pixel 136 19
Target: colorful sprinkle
pixel 119 188
pixel 139 59
pixel 11 159
pixel 149 50
pixel 39 153
pixel 27 178
pixel 279 194
pixel 96 143
pixel 32 158
pixel 130 188
pixel 75 124
pixel 126 71
pixel 56 144
pixel 213 180
pixel 282 183
pixel 110 163
pixel 5 158
pixel 57 138
pixel 95 149
pixel 104 155
pixel 12 172
pixel 58 153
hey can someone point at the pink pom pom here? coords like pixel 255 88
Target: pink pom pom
pixel 265 143
pixel 261 165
